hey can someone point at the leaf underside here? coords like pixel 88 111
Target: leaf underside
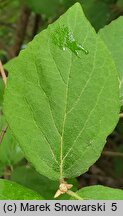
pixel 61 99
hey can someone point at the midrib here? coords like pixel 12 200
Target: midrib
pixel 65 114
pixel 63 126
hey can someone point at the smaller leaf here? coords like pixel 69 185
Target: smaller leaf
pixel 28 177
pixel 10 152
pixel 118 162
pixel 100 193
pixel 1 91
pixel 13 191
pixel 97 12
pixel 48 8
pixel 112 36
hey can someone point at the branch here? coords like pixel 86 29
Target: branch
pixel 2 133
pixel 74 195
pixel 121 115
pixel 112 154
pixel 3 73
pixel 9 25
pixel 38 21
pixel 20 31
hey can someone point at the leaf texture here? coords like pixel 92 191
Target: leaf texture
pixel 12 191
pixel 112 36
pixel 62 99
pixel 100 193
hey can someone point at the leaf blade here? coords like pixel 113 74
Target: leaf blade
pixel 111 35
pixel 67 117
pixel 13 191
pixel 99 192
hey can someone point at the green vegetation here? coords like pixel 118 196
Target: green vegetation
pixel 61 95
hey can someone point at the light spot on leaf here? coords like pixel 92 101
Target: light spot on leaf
pixel 64 38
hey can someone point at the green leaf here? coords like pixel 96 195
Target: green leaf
pixel 13 191
pixel 112 36
pixel 10 152
pixel 1 91
pixel 100 193
pixel 47 7
pixel 28 177
pixel 118 162
pixel 62 97
pixel 98 12
pixel 69 3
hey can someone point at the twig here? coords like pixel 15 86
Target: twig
pixel 21 28
pixel 9 25
pixel 3 73
pixel 74 195
pixel 112 154
pixel 121 115
pixel 38 21
pixel 8 171
pixel 2 133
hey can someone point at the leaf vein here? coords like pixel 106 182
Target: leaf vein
pixel 80 133
pixel 41 131
pixel 40 86
pixel 86 84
